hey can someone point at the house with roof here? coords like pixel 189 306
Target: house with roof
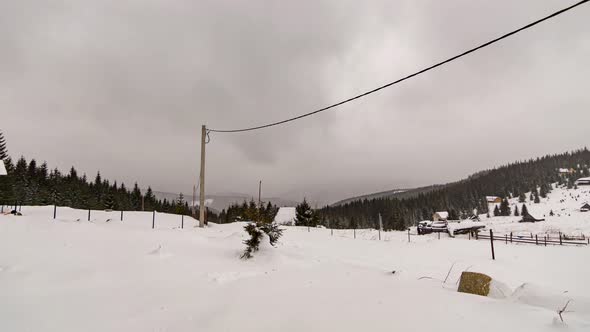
pixel 582 182
pixel 493 199
pixel 585 208
pixel 440 216
pixel 565 170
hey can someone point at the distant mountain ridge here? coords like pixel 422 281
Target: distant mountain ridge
pixel 395 193
pixel 221 201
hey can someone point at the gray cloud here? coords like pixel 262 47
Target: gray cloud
pixel 124 86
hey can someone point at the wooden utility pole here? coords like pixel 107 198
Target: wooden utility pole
pixel 259 200
pixel 380 226
pixel 202 179
pixel 194 201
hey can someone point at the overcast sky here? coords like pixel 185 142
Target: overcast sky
pixel 123 86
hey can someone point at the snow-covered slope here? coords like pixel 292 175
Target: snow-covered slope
pixel 567 218
pixel 285 216
pixel 70 275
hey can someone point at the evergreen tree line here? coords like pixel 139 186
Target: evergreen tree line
pixel 462 197
pixel 28 183
pixel 248 211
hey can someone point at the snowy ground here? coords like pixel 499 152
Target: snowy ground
pixel 69 275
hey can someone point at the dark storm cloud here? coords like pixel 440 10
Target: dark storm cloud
pixel 124 86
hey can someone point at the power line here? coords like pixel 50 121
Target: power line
pixel 406 77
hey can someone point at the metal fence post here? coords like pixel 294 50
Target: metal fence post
pixel 54 211
pixel 88 214
pixel 121 215
pixel 408 235
pixel 154 219
pixel 492 244
pixel 182 222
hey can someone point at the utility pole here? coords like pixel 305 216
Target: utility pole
pixel 380 226
pixel 202 178
pixel 194 202
pixel 259 200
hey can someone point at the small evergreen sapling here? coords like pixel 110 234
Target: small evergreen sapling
pixel 256 232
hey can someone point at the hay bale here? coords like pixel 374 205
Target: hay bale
pixel 475 283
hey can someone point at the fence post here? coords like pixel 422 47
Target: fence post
pixel 438 235
pixel 476 234
pixel 408 235
pixel 492 243
pixel 331 231
pixel 354 232
pixel 182 222
pixel 308 229
pixel 121 215
pixel 510 237
pixel 560 241
pixel 536 239
pixel 379 234
pixel 54 211
pixel 506 238
pixel 154 219
pixel 469 235
pixel 88 214
pixel 545 240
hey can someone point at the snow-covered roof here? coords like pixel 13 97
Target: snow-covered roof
pixel 443 214
pixel 583 180
pixel 2 168
pixel 286 215
pixel 491 198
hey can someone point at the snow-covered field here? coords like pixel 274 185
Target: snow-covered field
pixel 69 275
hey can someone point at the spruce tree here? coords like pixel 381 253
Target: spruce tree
pixel 521 198
pixel 524 211
pixel 544 190
pixel 303 214
pixel 496 211
pixel 537 200
pixel 505 208
pixel 516 214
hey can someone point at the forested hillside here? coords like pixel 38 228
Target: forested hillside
pixel 30 183
pixel 462 197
